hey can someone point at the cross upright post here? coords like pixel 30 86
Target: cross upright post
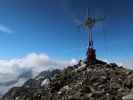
pixel 89 24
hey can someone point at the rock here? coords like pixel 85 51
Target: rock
pixel 81 68
pixel 45 83
pixel 81 63
pixel 128 97
pixel 62 90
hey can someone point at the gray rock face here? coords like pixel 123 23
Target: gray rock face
pixel 100 81
pixel 128 97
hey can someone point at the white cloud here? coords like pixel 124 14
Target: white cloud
pixel 5 88
pixel 21 69
pixel 73 61
pixel 128 63
pixel 5 29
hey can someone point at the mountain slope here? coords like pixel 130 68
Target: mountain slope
pixel 100 81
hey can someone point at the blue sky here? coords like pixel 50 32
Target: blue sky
pixel 47 26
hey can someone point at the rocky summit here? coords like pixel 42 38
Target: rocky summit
pixel 100 81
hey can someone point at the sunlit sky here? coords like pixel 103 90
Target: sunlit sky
pixel 47 26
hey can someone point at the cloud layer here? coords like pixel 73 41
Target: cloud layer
pixel 128 63
pixel 16 71
pixel 5 29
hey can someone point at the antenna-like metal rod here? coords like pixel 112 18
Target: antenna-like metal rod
pixel 90 40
